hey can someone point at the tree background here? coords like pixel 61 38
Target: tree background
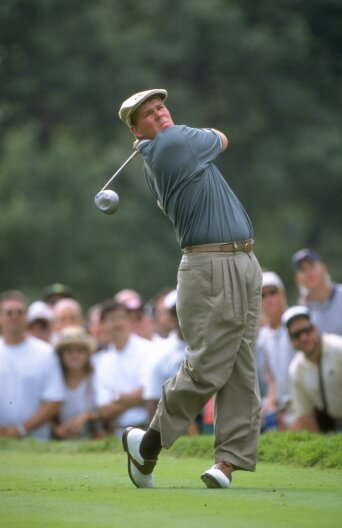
pixel 266 73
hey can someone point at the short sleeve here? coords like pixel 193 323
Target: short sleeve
pixel 205 143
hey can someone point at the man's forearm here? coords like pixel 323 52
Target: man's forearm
pixel 124 402
pixel 44 414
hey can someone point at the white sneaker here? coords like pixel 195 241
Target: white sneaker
pixel 139 470
pixel 216 477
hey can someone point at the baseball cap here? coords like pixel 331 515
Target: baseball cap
pixel 269 278
pixel 130 298
pixel 57 289
pixel 131 104
pixel 39 310
pixel 303 254
pixel 75 335
pixel 293 312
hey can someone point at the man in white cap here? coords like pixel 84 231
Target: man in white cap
pixel 141 323
pixel 275 349
pixel 315 373
pixel 39 320
pixel 218 294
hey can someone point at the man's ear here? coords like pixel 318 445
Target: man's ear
pixel 136 132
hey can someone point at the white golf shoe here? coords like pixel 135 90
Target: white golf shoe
pixel 218 476
pixel 139 470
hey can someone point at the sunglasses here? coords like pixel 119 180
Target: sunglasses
pixel 305 330
pixel 271 291
pixel 12 311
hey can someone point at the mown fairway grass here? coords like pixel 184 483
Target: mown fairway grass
pixel 86 485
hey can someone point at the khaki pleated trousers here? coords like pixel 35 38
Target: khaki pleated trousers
pixel 218 305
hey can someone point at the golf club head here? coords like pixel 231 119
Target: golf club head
pixel 107 201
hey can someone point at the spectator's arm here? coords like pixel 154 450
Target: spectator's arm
pixel 271 394
pixel 151 407
pixel 121 404
pixel 44 414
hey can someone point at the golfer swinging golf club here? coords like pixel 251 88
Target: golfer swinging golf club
pixel 218 295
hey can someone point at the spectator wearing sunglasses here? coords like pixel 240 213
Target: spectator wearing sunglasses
pixel 315 373
pixel 274 353
pixel 31 383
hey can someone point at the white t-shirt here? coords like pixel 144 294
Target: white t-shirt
pixel 30 375
pixel 163 366
pixel 121 372
pixel 78 400
pixel 304 376
pixel 278 354
pixel 327 316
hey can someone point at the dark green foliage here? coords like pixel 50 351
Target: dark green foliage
pixel 266 73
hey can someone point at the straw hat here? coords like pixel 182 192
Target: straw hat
pixel 75 335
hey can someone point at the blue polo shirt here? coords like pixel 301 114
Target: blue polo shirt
pixel 179 170
pixel 327 316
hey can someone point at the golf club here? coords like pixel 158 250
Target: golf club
pixel 108 201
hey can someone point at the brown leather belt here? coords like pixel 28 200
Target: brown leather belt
pixel 232 247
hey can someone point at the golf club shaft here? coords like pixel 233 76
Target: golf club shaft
pixel 120 169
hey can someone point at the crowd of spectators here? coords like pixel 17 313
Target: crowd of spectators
pixel 66 374
pixel 299 349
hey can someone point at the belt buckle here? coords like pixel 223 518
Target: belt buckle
pixel 248 246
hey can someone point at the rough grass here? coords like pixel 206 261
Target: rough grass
pixel 297 449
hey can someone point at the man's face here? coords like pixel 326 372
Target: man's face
pixel 150 118
pixel 96 327
pixel 118 324
pixel 273 301
pixel 311 274
pixel 67 313
pixel 13 317
pixel 40 328
pixel 304 335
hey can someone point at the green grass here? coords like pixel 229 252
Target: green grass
pixel 298 449
pixel 85 484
